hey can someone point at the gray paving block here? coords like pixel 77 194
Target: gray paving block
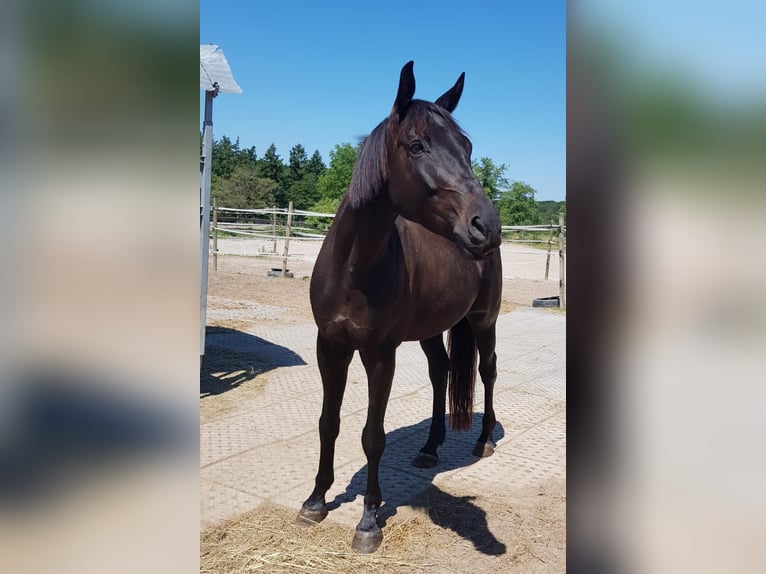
pixel 551 384
pixel 222 439
pixel 222 503
pixel 267 470
pixel 504 472
pixel 409 410
pixel 518 411
pixel 528 369
pixel 545 441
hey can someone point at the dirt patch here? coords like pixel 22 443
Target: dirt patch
pixel 432 535
pixel 241 282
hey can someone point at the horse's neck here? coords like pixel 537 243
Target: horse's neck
pixel 364 235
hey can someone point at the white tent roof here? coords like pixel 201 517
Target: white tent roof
pixel 213 67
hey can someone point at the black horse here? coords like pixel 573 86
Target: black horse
pixel 413 252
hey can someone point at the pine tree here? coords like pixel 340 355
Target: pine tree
pixel 315 165
pixel 271 167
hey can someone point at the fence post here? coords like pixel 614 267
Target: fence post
pixel 274 229
pixel 562 265
pixel 287 238
pixel 548 257
pixel 215 234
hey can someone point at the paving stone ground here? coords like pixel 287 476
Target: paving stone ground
pixel 267 448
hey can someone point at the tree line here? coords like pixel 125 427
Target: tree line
pixel 242 180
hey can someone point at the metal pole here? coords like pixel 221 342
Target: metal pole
pixel 215 234
pixel 287 238
pixel 204 227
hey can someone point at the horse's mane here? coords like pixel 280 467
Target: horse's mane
pixel 371 168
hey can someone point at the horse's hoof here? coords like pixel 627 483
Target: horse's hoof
pixel 309 517
pixel 367 542
pixel 483 450
pixel 425 460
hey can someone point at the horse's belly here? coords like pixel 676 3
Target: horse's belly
pixel 440 313
pixel 422 332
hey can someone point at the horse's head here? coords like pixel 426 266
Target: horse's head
pixel 423 159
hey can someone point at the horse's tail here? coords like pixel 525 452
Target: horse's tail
pixel 461 346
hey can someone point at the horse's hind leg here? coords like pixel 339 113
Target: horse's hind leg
pixel 438 364
pixel 333 366
pixel 485 341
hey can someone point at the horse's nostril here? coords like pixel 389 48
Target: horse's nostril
pixel 477 230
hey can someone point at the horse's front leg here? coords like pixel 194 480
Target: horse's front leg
pixel 379 364
pixel 333 366
pixel 438 365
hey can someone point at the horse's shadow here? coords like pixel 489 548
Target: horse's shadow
pixel 233 357
pixel 405 485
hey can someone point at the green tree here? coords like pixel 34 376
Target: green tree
pixel 272 167
pixel 247 156
pixel 491 177
pixel 326 205
pixel 300 192
pixel 315 165
pixel 245 189
pixel 517 205
pixel 335 180
pixel 549 210
pixel 224 157
pixel 298 161
pixel 271 164
pixel 227 156
pixel 303 192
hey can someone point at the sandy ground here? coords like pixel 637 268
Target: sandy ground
pixel 440 532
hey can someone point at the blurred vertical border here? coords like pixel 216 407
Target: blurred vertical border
pixel 99 151
pixel 666 140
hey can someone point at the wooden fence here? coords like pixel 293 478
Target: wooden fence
pixel 298 225
pixel 544 234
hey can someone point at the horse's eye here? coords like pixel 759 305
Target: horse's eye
pixel 416 148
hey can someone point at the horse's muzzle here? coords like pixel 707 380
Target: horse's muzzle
pixel 479 249
pixel 481 236
pixel 483 252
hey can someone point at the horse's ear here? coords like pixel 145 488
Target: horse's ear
pixel 449 99
pixel 406 89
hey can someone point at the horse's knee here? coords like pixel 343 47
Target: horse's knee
pixel 488 369
pixel 373 442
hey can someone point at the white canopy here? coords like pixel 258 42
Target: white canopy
pixel 213 67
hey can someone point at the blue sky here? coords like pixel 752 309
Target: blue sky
pixel 324 73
